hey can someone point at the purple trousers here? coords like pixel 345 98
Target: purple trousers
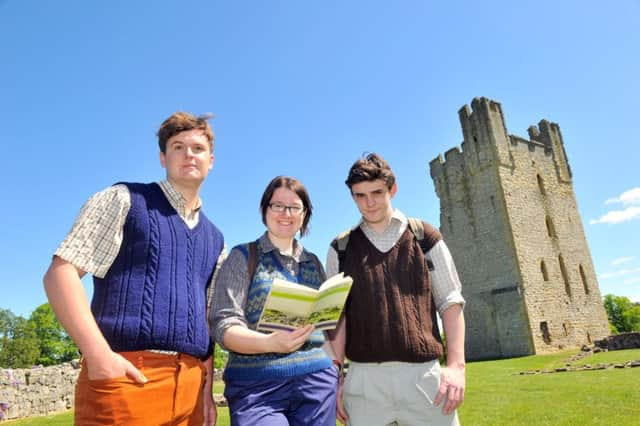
pixel 309 399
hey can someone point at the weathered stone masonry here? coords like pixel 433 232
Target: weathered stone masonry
pixel 509 215
pixel 37 391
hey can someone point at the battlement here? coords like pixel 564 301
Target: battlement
pixel 531 145
pixel 486 140
pixel 482 121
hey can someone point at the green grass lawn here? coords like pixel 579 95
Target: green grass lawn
pixel 498 395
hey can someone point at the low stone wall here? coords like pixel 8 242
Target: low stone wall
pixel 37 391
pixel 620 341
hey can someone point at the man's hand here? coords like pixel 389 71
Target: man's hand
pixel 341 413
pixel 210 409
pixel 452 383
pixel 111 366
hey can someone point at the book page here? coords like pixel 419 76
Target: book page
pixel 290 305
pixel 287 306
pixel 328 308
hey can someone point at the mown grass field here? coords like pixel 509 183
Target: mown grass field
pixel 498 395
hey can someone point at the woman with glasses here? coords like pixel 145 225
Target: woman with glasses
pixel 284 377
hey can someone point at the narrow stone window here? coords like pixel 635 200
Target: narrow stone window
pixel 541 185
pixel 450 224
pixel 589 337
pixel 551 231
pixel 544 329
pixel 543 269
pixel 584 280
pixel 565 276
pixel 493 203
pixel 564 327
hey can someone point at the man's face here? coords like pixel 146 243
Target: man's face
pixel 373 199
pixel 188 158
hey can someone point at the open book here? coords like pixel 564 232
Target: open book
pixel 290 305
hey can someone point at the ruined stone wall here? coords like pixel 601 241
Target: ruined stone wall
pixel 485 263
pixel 559 283
pixel 508 213
pixel 37 391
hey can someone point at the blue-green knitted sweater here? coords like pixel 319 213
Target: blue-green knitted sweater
pixel 309 358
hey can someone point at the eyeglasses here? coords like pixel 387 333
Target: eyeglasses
pixel 280 208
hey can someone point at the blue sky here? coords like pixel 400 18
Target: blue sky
pixel 303 88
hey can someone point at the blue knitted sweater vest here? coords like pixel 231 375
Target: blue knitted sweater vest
pixel 308 359
pixel 154 294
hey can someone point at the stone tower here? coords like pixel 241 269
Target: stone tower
pixel 510 219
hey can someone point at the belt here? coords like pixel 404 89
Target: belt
pixel 163 352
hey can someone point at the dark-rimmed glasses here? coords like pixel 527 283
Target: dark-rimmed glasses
pixel 280 208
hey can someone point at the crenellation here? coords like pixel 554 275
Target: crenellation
pixel 531 145
pixel 453 156
pixel 464 114
pixel 534 133
pixel 506 206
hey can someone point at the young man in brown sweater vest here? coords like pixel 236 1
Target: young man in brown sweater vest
pixel 389 329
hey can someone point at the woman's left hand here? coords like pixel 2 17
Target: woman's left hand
pixel 289 341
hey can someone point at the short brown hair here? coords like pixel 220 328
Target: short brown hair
pixel 368 168
pixel 291 184
pixel 181 122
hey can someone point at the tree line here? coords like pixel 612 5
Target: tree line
pixel 38 340
pixel 41 340
pixel 624 315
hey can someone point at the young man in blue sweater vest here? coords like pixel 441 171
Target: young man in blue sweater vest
pixel 146 350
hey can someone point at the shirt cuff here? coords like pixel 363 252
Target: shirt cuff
pixel 454 299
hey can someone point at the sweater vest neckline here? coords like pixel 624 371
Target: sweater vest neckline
pixel 156 187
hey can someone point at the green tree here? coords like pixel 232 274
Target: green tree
pixel 18 341
pixel 7 319
pixel 220 358
pixel 624 315
pixel 54 343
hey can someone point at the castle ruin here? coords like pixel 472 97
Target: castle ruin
pixel 509 216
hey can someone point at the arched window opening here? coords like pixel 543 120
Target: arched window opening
pixel 551 230
pixel 565 276
pixel 541 185
pixel 543 269
pixel 584 280
pixel 544 329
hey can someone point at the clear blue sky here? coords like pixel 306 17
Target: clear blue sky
pixel 303 88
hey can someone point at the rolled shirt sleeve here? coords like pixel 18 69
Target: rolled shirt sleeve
pixel 94 241
pixel 211 288
pixel 447 289
pixel 231 289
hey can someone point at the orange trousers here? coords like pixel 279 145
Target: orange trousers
pixel 172 396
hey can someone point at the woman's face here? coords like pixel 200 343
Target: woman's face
pixel 285 224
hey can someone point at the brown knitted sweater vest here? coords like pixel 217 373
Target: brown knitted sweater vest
pixel 390 311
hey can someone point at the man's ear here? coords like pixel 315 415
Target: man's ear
pixel 163 160
pixel 393 190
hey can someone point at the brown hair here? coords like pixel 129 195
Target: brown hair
pixel 181 122
pixel 291 184
pixel 368 168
